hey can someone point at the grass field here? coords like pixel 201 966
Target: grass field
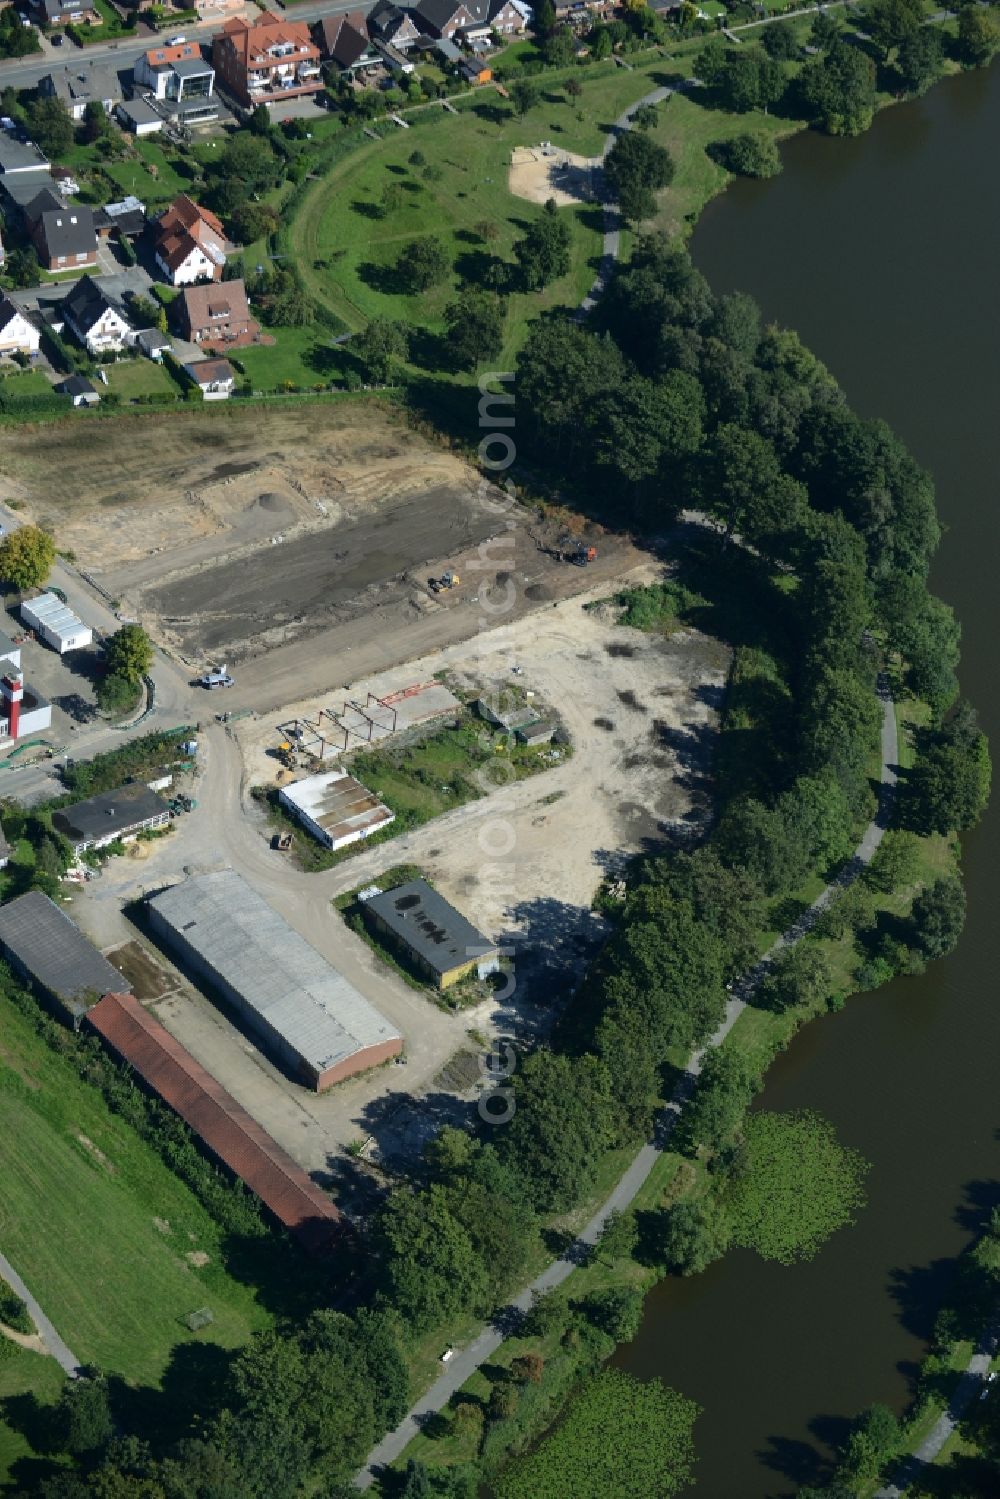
pixel 113 1245
pixel 346 251
pixel 27 383
pixel 140 377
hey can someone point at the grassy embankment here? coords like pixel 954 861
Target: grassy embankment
pixel 116 1249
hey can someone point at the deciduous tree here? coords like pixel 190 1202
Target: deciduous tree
pixel 26 557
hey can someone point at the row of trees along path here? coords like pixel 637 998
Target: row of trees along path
pixel 467 1360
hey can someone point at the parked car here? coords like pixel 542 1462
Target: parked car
pixel 215 679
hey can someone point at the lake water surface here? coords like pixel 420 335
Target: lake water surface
pixel 883 252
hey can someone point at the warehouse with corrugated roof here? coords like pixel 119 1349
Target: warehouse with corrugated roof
pixel 311 1018
pixel 42 945
pixel 224 1126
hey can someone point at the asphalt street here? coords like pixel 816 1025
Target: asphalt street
pixel 25 72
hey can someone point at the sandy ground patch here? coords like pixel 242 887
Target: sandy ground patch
pixel 150 496
pixel 539 175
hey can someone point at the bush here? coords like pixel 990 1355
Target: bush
pixel 13 1311
pixel 748 155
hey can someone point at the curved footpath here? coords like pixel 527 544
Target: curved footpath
pixel 970 1387
pixel 611 247
pixel 66 1359
pixel 467 1360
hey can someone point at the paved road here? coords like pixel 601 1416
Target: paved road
pixel 970 1386
pixel 470 1358
pixel 25 72
pixel 611 248
pixel 62 1355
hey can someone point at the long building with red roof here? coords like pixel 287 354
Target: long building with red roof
pixel 224 1126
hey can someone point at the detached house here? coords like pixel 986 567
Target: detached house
pixel 190 243
pixel 344 40
pixel 178 72
pixel 97 320
pixel 77 87
pixel 63 234
pixel 468 20
pixel 63 12
pixel 267 59
pixel 216 315
pixel 392 27
pixel 214 378
pixel 17 334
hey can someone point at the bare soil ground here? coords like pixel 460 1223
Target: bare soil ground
pixel 560 175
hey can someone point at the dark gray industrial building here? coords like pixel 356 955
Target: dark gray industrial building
pixel 435 937
pixel 121 813
pixel 42 945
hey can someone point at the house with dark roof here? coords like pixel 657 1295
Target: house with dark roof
pixel 42 945
pixel 63 234
pixel 80 85
pixel 344 40
pixel 216 316
pixel 267 59
pixel 18 334
pixel 190 243
pixel 392 26
pixel 468 19
pixel 96 319
pixel 111 815
pixel 65 12
pixel 430 933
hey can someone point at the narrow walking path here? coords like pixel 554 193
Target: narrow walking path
pixel 611 246
pixel 969 1388
pixel 53 1342
pixel 470 1358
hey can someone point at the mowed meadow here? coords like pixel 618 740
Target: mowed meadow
pixel 113 1245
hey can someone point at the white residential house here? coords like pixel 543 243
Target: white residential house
pixel 17 334
pixel 98 322
pixel 215 378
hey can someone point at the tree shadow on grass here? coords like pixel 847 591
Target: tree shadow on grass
pixel 383 278
pixel 367 210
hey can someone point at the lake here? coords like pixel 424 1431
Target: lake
pixel 882 252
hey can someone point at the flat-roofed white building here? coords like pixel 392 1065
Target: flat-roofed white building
pixel 336 808
pixel 55 623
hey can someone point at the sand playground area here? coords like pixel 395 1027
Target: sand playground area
pixel 541 172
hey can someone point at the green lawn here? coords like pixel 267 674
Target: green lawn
pixel 346 251
pixel 298 356
pixel 29 383
pixel 140 377
pixel 155 178
pixel 101 1231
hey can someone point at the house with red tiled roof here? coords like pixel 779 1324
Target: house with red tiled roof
pixel 216 316
pixel 190 243
pixel 267 60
